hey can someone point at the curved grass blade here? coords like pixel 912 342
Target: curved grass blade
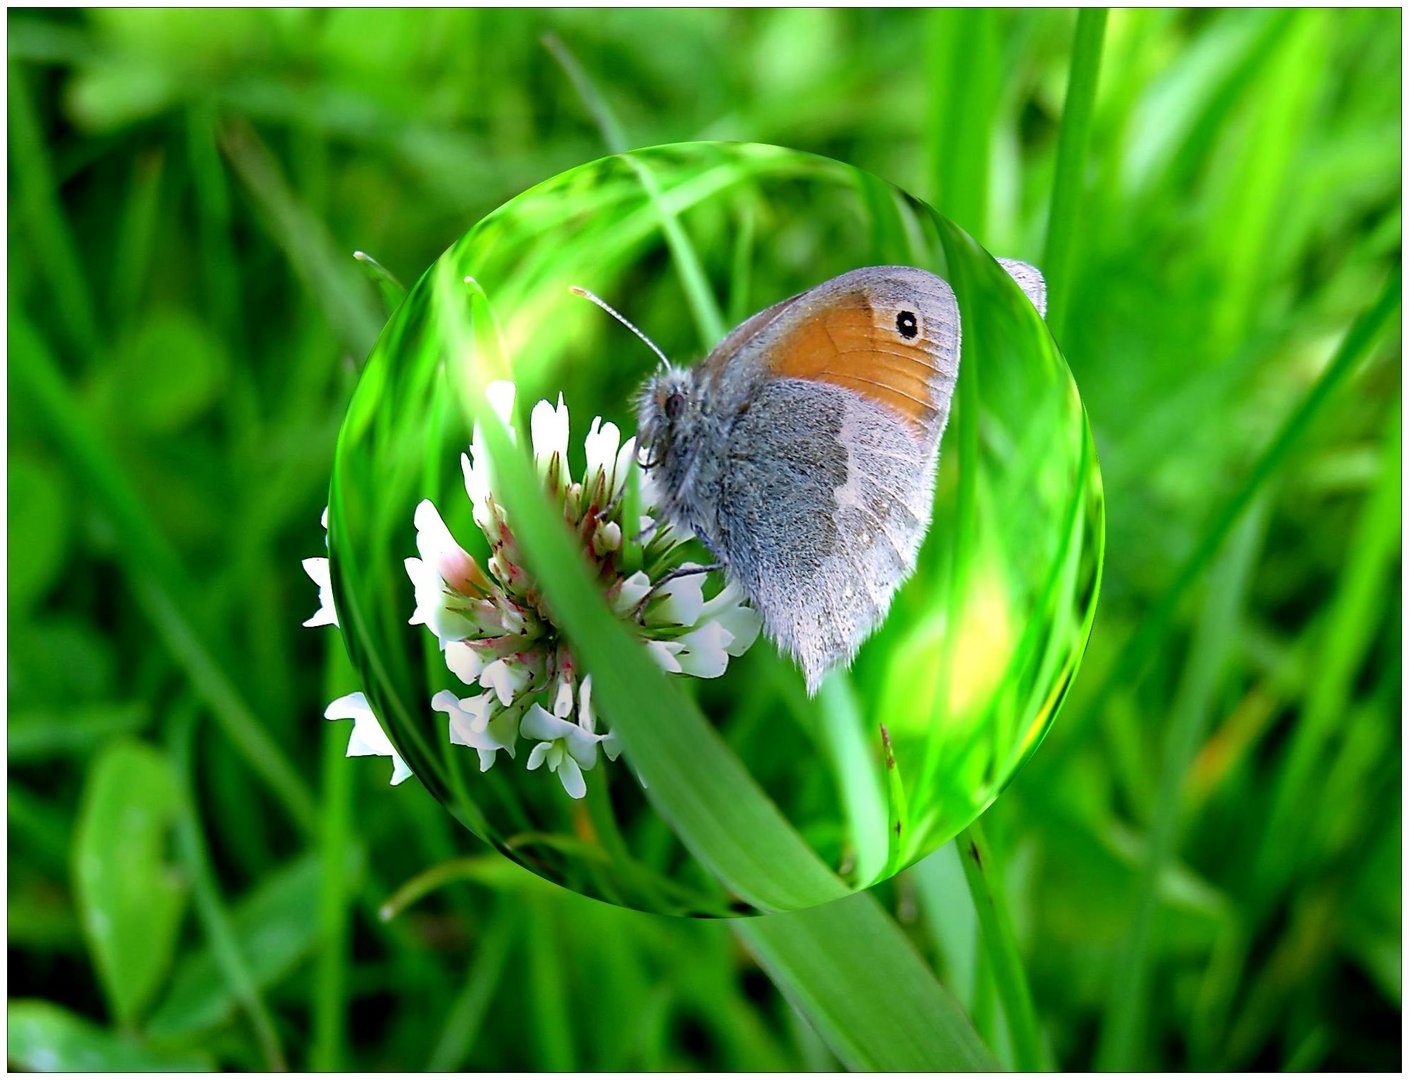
pixel 693 280
pixel 821 956
pixel 996 932
pixel 848 967
pixel 390 288
pixel 1072 145
pixel 691 776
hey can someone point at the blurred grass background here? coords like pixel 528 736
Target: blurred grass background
pixel 1201 865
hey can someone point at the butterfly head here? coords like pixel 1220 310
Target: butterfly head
pixel 668 416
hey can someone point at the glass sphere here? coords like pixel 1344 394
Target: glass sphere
pixel 897 752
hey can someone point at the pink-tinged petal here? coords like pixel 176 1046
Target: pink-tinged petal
pixel 440 550
pixel 432 604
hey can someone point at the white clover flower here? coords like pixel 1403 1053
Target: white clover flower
pixel 321 573
pixel 495 631
pixel 498 635
pixel 477 723
pixel 367 737
pixel 566 747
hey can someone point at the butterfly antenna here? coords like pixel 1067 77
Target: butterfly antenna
pixel 619 317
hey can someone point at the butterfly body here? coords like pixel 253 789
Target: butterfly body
pixel 802 451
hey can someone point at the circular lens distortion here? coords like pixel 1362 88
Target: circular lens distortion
pixel 716 529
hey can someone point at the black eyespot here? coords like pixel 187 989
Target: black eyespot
pixel 674 404
pixel 907 324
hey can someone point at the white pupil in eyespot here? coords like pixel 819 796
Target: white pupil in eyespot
pixel 907 324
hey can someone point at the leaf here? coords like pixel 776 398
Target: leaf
pixel 847 964
pixel 850 969
pixel 46 1038
pixel 38 505
pixel 169 372
pixel 276 927
pixel 130 898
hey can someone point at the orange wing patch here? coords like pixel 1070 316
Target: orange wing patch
pixel 844 343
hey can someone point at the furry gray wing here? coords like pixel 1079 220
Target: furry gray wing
pixel 822 506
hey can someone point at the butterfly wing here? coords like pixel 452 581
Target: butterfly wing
pixel 821 513
pixel 825 497
pixel 887 333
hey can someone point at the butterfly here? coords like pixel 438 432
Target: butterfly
pixel 802 450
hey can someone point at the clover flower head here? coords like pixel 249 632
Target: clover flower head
pixel 497 632
pixel 515 673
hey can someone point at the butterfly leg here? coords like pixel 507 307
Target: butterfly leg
pixel 678 572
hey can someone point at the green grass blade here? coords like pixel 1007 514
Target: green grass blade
pixel 848 967
pixel 387 283
pixel 465 1017
pixel 984 875
pixel 209 905
pixel 691 776
pixel 335 842
pixel 53 242
pixel 552 1022
pixel 708 318
pixel 613 134
pixel 1070 180
pixel 1245 221
pixel 1122 1035
pixel 1361 593
pixel 1154 625
pixel 159 582
pixel 842 735
pixel 962 68
pixel 947 908
pixel 306 243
